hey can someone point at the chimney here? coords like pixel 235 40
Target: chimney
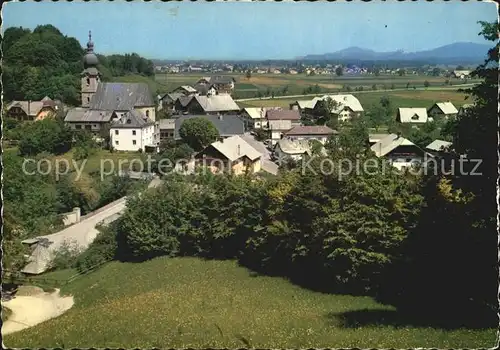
pixel 239 149
pixel 29 107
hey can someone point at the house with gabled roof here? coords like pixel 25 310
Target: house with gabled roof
pixel 232 155
pixel 280 121
pixel 214 104
pixel 320 133
pixel 443 110
pixel 185 90
pixel 292 149
pixel 412 116
pixel 255 117
pixel 438 146
pixel 33 110
pixel 168 100
pixel 132 131
pixel 401 152
pixel 345 108
pixel 223 84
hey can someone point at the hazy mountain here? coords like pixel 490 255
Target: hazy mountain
pixel 453 53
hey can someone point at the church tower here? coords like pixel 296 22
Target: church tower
pixel 90 75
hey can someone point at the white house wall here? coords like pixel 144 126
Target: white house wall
pixel 124 140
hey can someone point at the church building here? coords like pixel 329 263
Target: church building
pixel 114 107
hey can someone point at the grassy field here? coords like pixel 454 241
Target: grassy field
pixel 188 302
pixel 409 98
pixel 246 88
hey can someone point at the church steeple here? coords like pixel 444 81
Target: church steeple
pixel 90 59
pixel 90 75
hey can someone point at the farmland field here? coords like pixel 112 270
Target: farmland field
pixel 296 83
pixel 402 98
pixel 189 302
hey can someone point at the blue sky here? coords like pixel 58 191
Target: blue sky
pixel 256 30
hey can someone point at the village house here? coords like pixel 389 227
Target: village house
pixel 461 74
pixel 213 104
pixel 186 90
pixel 103 103
pixel 223 84
pixel 206 89
pixel 320 133
pixel 167 101
pixel 133 131
pixel 232 155
pixel 255 117
pixel 305 107
pixel 226 125
pixel 400 152
pixel 166 129
pixel 374 138
pixel 280 121
pixel 33 110
pixel 346 106
pixel 194 69
pixel 442 110
pixel 437 147
pixel 291 149
pixel 412 116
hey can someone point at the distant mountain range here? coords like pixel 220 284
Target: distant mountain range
pixel 461 52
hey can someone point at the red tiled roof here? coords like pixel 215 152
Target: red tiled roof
pixel 311 130
pixel 283 114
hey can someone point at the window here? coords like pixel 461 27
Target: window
pixel 133 133
pixel 147 114
pixel 134 142
pixel 88 99
pixel 88 127
pixel 78 126
pixel 415 117
pixel 88 81
pixel 116 142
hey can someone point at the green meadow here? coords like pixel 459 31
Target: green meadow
pixel 190 302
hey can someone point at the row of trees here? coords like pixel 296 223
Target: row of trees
pixel 44 62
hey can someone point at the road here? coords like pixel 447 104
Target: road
pixel 431 88
pixel 81 233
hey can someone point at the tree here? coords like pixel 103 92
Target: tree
pixel 248 74
pixel 198 132
pixel 436 71
pixel 339 71
pixel 374 87
pixel 324 111
pixel 426 84
pixel 48 135
pixel 462 208
pixel 393 86
pixel 401 72
pixel 378 116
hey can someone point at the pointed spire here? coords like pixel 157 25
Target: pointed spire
pixel 90 44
